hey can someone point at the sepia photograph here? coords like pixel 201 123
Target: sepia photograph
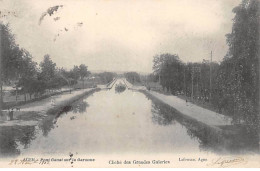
pixel 129 84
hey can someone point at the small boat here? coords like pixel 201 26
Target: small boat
pixel 120 88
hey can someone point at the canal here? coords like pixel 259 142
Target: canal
pixel 115 122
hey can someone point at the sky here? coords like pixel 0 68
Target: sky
pixel 120 35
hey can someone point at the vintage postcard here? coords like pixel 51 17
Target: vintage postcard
pixel 129 83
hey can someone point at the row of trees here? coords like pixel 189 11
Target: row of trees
pixel 105 77
pixel 177 77
pixel 238 76
pixel 232 85
pixel 36 80
pixel 30 78
pixel 132 77
pixel 48 77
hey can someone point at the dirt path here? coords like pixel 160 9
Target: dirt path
pixel 200 114
pixel 31 113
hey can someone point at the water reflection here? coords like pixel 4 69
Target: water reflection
pixel 49 122
pixel 222 141
pixel 119 88
pixel 80 106
pixel 15 137
pixel 161 116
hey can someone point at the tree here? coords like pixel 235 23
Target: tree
pixel 83 72
pixel 9 56
pixel 14 61
pixel 48 69
pixel 27 74
pixel 75 74
pixel 158 61
pixel 151 77
pixel 170 70
pixel 238 78
pixel 133 77
pixel 71 77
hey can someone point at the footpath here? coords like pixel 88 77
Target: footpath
pixel 191 110
pixel 30 113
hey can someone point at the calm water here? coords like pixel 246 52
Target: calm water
pixel 113 122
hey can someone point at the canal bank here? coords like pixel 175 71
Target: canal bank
pixel 191 110
pixel 30 113
pixel 218 128
pixel 64 104
pixel 187 109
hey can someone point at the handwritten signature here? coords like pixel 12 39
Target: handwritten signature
pixel 227 161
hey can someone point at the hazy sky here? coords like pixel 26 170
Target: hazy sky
pixel 121 35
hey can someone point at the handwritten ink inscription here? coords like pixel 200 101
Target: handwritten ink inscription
pixel 27 161
pixel 227 161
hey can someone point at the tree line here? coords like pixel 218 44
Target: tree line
pixel 132 77
pixel 231 85
pixel 17 66
pixel 105 77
